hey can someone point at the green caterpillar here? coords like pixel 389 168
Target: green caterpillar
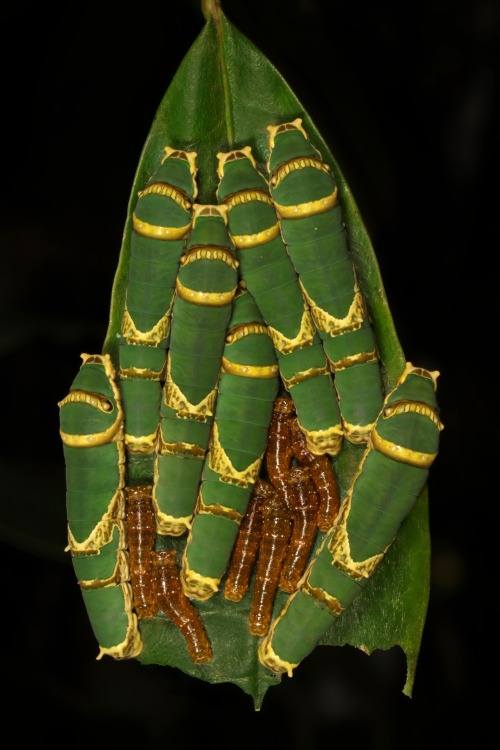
pixel 270 276
pixel 205 288
pixel 306 199
pixel 92 432
pixel 393 471
pixel 247 388
pixel 161 222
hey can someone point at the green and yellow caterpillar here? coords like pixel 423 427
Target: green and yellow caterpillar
pixel 205 288
pixel 161 222
pixel 268 273
pixel 394 468
pixel 248 385
pixel 92 432
pixel 306 199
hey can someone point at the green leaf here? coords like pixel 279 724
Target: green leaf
pixel 223 96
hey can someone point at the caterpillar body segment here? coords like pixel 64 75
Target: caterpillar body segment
pixel 205 288
pixel 248 385
pixel 306 199
pixel 393 471
pixel 91 429
pixel 270 276
pixel 161 222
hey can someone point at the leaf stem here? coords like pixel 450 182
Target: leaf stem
pixel 210 8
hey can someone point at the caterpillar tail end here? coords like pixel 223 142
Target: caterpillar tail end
pixel 321 442
pixel 234 594
pixel 197 586
pixel 357 434
pixel 130 648
pixel 270 659
pixel 167 525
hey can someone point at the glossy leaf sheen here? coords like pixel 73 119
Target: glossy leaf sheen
pixel 223 96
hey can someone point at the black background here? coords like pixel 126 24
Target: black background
pixel 407 98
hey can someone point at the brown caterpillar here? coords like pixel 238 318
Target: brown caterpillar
pixel 275 534
pixel 177 607
pixel 303 503
pixel 279 453
pixel 247 544
pixel 322 474
pixel 141 533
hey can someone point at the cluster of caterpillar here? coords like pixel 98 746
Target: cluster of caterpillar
pixel 246 358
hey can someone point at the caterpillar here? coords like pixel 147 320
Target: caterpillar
pixel 305 197
pixel 172 601
pixel 279 453
pixel 322 474
pixel 275 535
pixel 247 544
pixel 303 502
pixel 92 433
pixel 270 276
pixel 205 288
pixel 394 468
pixel 161 221
pixel 141 534
pixel 154 576
pixel 247 388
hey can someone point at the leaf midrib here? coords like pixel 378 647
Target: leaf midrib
pixel 213 13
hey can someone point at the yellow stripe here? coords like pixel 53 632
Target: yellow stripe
pixel 405 455
pixel 249 371
pixel 159 233
pixel 95 439
pixel 296 164
pixel 299 377
pixel 169 191
pixel 310 208
pixel 259 238
pixel 208 299
pixel 210 252
pixel 88 397
pixel 139 373
pixel 247 196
